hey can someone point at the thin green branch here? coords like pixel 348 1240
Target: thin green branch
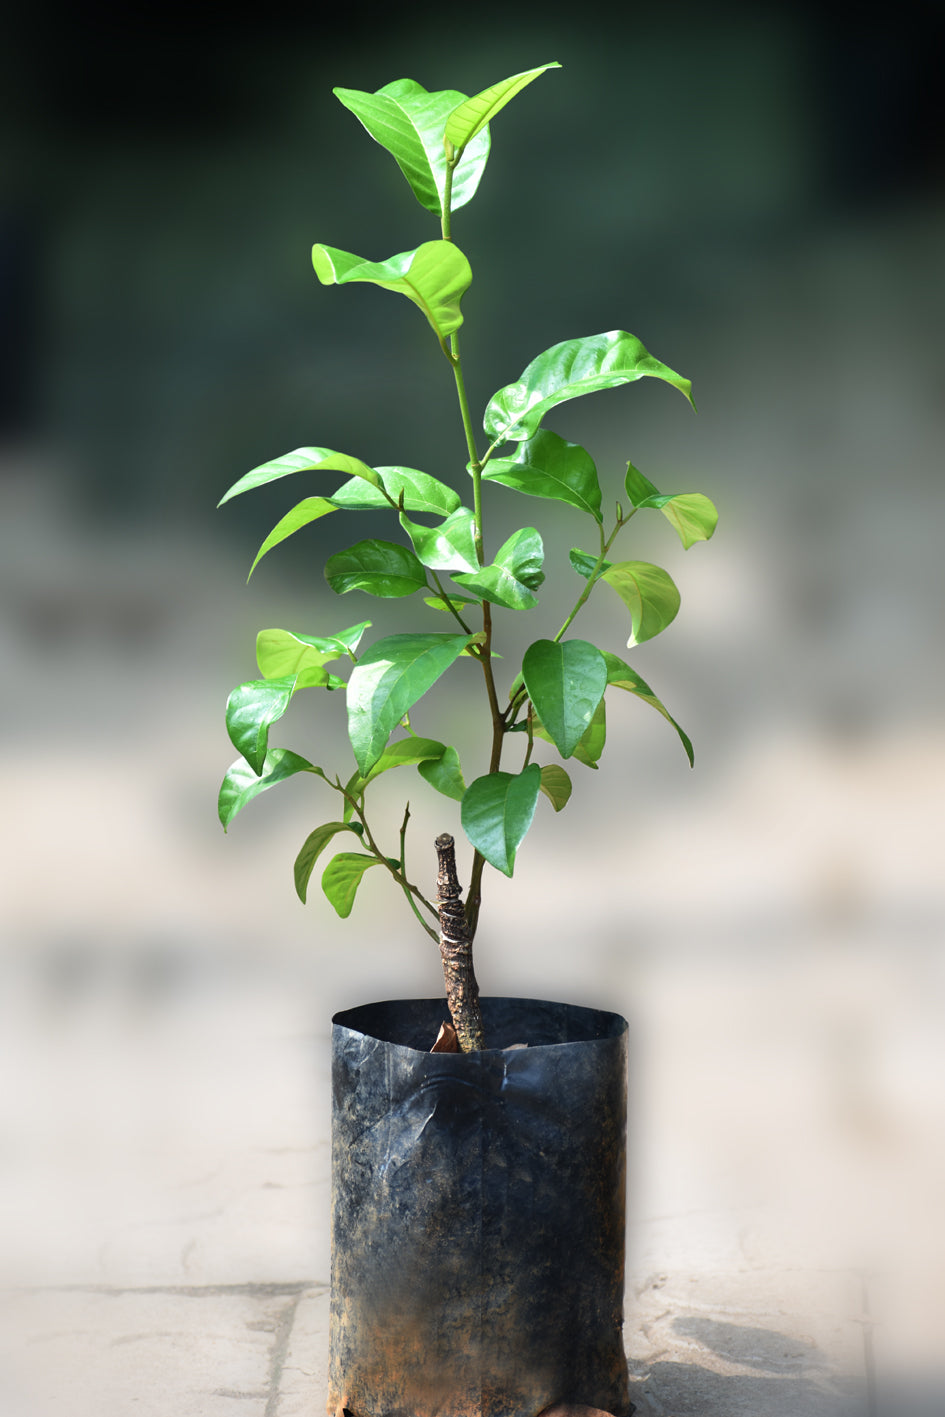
pixel 531 739
pixel 595 575
pixel 403 866
pixel 449 604
pixel 410 890
pixel 413 906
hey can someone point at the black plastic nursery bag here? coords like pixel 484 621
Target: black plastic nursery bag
pixel 478 1212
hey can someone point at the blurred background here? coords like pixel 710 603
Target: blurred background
pixel 759 195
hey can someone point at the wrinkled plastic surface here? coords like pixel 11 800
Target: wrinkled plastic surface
pixel 478 1212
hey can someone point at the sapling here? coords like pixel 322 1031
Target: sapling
pixel 440 141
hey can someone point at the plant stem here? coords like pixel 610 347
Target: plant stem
pixel 595 574
pixel 462 991
pixel 403 866
pixel 448 602
pixel 474 894
pixel 411 891
pixel 475 466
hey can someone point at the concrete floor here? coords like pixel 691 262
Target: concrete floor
pixel 165 1196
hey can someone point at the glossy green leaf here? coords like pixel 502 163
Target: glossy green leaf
pixel 251 710
pixel 279 653
pixel 380 568
pixel 499 587
pixel 565 681
pixel 403 753
pixel 567 371
pixel 421 492
pixel 690 514
pixel 342 876
pixel 472 115
pixel 556 785
pixel 650 595
pixel 436 602
pixel 348 639
pixel 585 564
pixel 302 514
pixel 313 847
pixel 497 811
pixel 547 466
pixel 639 488
pixel 451 546
pixel 301 460
pixel 523 555
pixel 409 122
pixel 445 774
pixel 389 679
pixel 515 574
pixel 435 277
pixel 242 784
pixel 623 677
pixel 591 746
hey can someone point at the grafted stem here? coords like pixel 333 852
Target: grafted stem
pixel 462 991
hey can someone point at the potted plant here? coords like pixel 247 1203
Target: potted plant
pixel 478 1184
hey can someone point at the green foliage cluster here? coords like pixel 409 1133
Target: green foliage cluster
pixel 441 143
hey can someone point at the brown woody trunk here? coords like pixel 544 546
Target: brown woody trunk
pixel 462 991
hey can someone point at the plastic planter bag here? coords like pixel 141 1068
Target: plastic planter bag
pixel 478 1212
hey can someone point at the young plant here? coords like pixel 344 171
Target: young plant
pixel 441 143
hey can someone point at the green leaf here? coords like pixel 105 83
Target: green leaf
pixel 497 811
pixel 591 746
pixel 381 568
pixel 523 555
pixel 342 876
pixel 313 847
pixel 515 574
pixel 472 116
pixel 301 460
pixel 435 277
pixel 409 122
pixel 389 679
pixel 451 546
pixel 445 774
pixel 280 653
pixel 397 755
pixel 566 682
pixel 650 595
pixel 567 371
pixel 421 492
pixel 436 602
pixel 250 711
pixel 639 488
pixel 498 586
pixel 241 783
pixel 348 639
pixel 585 564
pixel 623 677
pixel 692 515
pixel 301 515
pixel 547 466
pixel 556 785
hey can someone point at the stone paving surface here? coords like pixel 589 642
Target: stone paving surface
pixel 164 1216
